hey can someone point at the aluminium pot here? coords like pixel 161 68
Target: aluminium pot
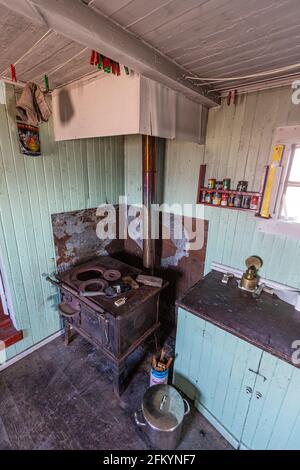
pixel 162 413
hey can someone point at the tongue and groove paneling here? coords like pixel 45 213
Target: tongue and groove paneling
pixel 68 176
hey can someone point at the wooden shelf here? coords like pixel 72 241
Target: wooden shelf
pixel 230 191
pixel 228 207
pixel 202 188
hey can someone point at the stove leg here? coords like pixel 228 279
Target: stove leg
pixel 119 378
pixel 67 332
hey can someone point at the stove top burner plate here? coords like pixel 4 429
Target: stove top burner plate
pixel 112 275
pixel 88 273
pixel 93 285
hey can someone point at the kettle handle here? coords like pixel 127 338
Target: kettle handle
pixel 138 422
pixel 187 406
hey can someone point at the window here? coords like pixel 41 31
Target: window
pixel 290 202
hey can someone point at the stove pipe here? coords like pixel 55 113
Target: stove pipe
pixel 149 198
pixel 153 193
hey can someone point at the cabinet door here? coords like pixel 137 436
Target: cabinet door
pixel 273 420
pixel 212 367
pixel 189 349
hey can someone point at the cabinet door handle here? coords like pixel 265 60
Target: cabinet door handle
pixel 249 390
pixel 258 395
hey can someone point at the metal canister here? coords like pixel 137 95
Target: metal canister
pixel 226 183
pixel 238 200
pixel 211 183
pixel 219 185
pixel 157 377
pixel 246 201
pixel 216 200
pixel 224 199
pixel 231 200
pixel 254 202
pixel 208 198
pixel 242 186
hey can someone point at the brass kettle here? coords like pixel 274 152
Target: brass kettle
pixel 249 279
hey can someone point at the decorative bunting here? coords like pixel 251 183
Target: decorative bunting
pixel 107 64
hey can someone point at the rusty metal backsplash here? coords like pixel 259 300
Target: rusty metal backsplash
pixel 75 238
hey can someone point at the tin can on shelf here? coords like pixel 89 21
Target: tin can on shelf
pixel 246 201
pixel 211 183
pixel 242 186
pixel 254 202
pixel 231 200
pixel 219 185
pixel 238 200
pixel 208 198
pixel 224 199
pixel 216 199
pixel 226 183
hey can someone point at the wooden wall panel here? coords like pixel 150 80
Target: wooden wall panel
pixel 238 145
pixel 68 176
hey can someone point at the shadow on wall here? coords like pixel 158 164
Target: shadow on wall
pixel 66 110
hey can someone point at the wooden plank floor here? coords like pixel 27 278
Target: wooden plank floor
pixel 61 398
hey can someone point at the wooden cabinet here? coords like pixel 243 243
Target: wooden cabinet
pixel 250 396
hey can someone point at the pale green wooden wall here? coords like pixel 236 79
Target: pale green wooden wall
pixel 69 176
pixel 238 145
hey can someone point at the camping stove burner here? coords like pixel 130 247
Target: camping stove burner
pixel 112 275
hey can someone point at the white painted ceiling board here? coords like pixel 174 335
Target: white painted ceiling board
pixel 213 37
pixel 136 10
pixel 169 10
pixel 206 37
pixel 109 7
pixel 17 35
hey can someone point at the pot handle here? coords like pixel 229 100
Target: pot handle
pixel 187 406
pixel 139 423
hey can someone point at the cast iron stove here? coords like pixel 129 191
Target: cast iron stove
pixel 88 295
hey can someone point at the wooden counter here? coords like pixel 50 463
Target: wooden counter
pixel 266 322
pixel 234 360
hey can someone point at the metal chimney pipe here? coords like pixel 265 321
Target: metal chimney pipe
pixel 149 198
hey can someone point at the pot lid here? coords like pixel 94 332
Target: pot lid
pixel 163 407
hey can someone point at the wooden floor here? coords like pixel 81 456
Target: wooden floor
pixel 61 398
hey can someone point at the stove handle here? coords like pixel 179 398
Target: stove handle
pixel 55 282
pixel 104 324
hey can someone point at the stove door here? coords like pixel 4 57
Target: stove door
pixel 95 326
